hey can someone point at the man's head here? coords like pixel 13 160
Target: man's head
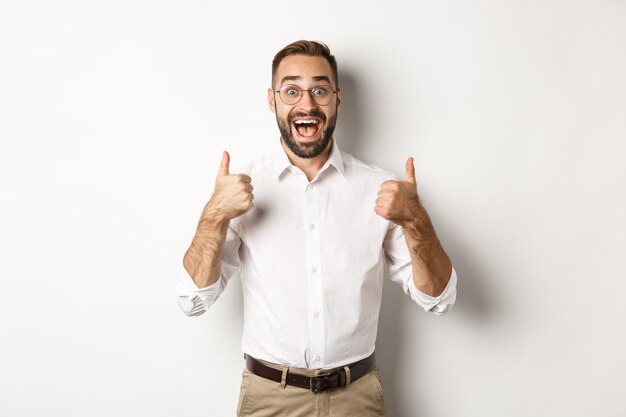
pixel 306 119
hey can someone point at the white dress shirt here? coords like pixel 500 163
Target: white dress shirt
pixel 311 257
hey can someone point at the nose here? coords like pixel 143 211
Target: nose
pixel 306 101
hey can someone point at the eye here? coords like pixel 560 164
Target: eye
pixel 320 91
pixel 291 91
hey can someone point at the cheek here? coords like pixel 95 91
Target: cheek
pixel 284 119
pixel 329 118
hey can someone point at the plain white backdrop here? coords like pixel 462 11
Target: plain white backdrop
pixel 113 117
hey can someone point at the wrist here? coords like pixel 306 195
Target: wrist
pixel 213 217
pixel 420 232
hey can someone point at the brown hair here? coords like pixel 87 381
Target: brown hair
pixel 302 47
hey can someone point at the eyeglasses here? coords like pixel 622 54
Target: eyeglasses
pixel 290 94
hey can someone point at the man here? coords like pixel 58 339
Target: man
pixel 311 252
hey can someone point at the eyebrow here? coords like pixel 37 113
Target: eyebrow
pixel 298 78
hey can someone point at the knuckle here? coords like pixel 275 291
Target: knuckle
pixel 390 185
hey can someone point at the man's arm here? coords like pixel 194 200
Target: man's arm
pixel 202 259
pixel 431 266
pixel 399 203
pixel 232 198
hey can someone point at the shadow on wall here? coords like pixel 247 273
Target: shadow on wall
pixel 474 302
pixel 350 118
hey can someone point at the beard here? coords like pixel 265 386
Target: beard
pixel 310 149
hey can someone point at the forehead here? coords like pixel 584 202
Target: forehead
pixel 304 66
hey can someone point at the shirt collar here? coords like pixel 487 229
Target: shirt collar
pixel 280 160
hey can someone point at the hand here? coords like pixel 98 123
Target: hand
pixel 398 201
pixel 232 196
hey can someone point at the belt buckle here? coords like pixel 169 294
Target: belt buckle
pixel 313 382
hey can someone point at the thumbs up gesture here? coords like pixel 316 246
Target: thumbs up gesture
pixel 232 196
pixel 398 200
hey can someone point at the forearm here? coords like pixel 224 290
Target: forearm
pixel 431 265
pixel 202 259
pixel 399 203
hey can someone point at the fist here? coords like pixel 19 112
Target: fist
pixel 398 201
pixel 232 196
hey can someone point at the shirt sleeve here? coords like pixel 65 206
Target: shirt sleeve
pixel 401 272
pixel 194 301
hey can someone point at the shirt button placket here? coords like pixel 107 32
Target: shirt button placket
pixel 312 219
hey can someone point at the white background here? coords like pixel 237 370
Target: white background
pixel 113 116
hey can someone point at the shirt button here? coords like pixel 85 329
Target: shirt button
pixel 314 269
pixel 317 359
pixel 311 226
pixel 317 314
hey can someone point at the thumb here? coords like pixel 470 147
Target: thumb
pixel 224 165
pixel 410 171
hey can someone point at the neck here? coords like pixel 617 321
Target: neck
pixel 310 166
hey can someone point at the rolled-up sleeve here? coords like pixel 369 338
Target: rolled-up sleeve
pixel 194 301
pixel 401 272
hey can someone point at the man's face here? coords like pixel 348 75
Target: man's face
pixel 306 140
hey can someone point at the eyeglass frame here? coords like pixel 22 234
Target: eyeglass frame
pixel 302 94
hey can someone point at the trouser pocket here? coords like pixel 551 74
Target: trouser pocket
pixel 379 387
pixel 246 382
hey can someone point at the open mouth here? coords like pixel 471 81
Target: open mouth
pixel 308 127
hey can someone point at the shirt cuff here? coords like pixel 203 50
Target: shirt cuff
pixel 192 300
pixel 440 304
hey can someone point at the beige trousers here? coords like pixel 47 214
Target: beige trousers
pixel 260 397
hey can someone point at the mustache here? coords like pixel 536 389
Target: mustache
pixel 313 113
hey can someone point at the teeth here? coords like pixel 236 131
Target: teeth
pixel 299 122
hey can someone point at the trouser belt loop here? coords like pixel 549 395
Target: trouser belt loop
pixel 283 380
pixel 347 369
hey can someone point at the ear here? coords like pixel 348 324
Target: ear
pixel 338 98
pixel 270 100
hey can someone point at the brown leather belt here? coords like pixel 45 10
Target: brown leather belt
pixel 317 383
